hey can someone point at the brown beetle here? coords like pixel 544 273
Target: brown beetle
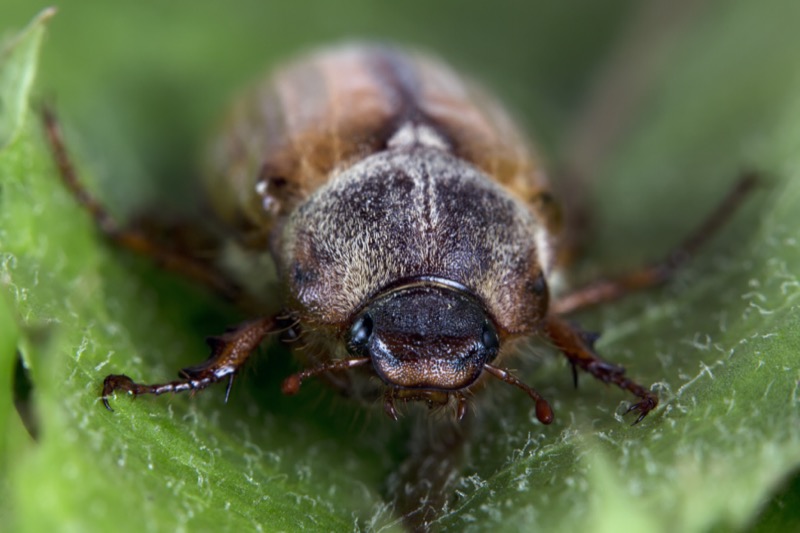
pixel 412 230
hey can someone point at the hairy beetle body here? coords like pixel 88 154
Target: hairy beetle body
pixel 412 231
pixel 368 168
pixel 413 235
pixel 337 106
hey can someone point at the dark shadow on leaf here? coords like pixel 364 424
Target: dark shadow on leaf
pixel 23 391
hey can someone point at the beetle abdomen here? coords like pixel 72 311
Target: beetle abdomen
pixel 339 105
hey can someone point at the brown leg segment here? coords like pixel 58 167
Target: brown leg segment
pixel 544 413
pixel 229 352
pixel 572 341
pixel 291 385
pixel 606 290
pixel 131 239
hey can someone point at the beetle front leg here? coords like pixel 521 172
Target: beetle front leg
pixel 574 344
pixel 229 352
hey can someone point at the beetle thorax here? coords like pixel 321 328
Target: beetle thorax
pixel 407 212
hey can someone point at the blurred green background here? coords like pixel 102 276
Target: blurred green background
pixel 151 80
pixel 656 105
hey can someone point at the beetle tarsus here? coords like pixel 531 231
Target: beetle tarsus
pixel 229 352
pixel 113 383
pixel 571 340
pixel 643 408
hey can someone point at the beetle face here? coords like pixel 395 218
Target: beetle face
pixel 425 337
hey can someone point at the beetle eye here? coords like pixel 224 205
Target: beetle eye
pixel 489 337
pixel 360 332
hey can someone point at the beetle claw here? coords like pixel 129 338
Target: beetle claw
pixel 643 408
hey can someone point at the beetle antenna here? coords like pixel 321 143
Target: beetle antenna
pixel 543 411
pixel 291 385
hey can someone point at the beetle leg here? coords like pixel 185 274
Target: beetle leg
pixel 291 385
pixel 129 238
pixel 229 352
pixel 572 342
pixel 610 289
pixel 544 413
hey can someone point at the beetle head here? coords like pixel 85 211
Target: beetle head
pixel 425 337
pixel 427 340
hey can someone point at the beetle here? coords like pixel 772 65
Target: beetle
pixel 413 231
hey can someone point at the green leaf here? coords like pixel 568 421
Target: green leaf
pixel 17 69
pixel 720 343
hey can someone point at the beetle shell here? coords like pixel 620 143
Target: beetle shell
pixel 410 228
pixel 363 167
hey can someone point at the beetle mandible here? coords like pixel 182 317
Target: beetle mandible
pixel 413 231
